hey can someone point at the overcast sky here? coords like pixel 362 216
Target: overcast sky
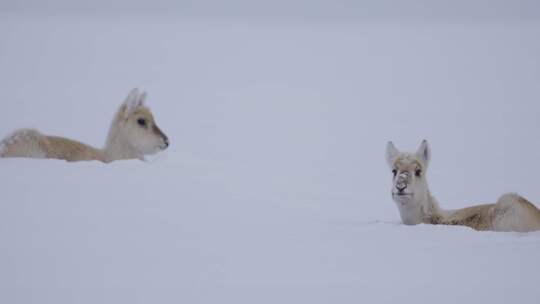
pixel 355 10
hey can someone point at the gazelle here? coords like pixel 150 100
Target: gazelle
pixel 416 204
pixel 132 135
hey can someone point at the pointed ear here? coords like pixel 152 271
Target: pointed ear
pixel 391 154
pixel 424 153
pixel 142 98
pixel 132 96
pixel 132 102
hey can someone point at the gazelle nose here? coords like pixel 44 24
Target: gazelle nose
pixel 166 141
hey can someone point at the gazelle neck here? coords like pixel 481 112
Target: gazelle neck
pixel 425 209
pixel 117 147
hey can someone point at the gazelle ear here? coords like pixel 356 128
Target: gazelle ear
pixel 132 96
pixel 142 98
pixel 391 154
pixel 424 152
pixel 132 102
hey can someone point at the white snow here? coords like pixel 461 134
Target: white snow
pixel 275 188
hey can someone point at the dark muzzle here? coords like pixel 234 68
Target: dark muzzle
pixel 401 183
pixel 158 132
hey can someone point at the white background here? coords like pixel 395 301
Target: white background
pixel 275 188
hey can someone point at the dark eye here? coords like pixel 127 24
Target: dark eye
pixel 141 122
pixel 418 172
pixel 394 172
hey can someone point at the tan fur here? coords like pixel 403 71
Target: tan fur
pixel 127 139
pixel 411 193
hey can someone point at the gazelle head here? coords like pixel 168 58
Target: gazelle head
pixel 409 185
pixel 136 128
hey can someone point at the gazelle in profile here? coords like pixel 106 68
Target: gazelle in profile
pixel 416 204
pixel 132 135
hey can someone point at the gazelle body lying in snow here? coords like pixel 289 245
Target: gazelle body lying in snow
pixel 416 204
pixel 132 135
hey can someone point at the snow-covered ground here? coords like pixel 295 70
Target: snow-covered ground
pixel 275 188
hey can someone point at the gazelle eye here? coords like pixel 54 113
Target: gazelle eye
pixel 141 122
pixel 418 172
pixel 394 172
